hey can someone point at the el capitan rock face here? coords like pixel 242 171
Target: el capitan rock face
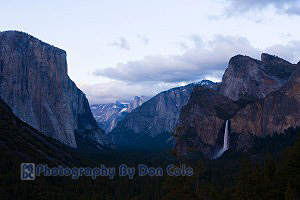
pixel 35 84
pixel 23 143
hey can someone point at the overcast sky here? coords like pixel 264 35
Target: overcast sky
pixel 117 49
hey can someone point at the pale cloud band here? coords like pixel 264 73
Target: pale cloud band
pixel 207 60
pixel 115 90
pixel 195 63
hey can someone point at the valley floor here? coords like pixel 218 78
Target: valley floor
pixel 270 171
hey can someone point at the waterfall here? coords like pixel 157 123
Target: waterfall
pixel 225 143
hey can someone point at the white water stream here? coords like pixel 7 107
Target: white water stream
pixel 225 144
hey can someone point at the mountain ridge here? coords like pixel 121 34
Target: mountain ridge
pixel 109 114
pixel 155 118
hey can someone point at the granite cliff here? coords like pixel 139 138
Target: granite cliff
pixel 247 79
pixel 251 94
pixel 137 101
pixel 202 121
pixel 20 143
pixel 277 112
pixel 34 82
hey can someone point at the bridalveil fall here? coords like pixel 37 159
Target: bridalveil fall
pixel 225 143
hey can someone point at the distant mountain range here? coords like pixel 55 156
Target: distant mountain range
pixel 109 114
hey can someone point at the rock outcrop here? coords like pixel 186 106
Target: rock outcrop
pixel 34 82
pixel 202 120
pixel 253 93
pixel 247 79
pixel 275 113
pixel 137 101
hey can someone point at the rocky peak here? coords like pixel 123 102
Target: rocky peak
pixel 247 79
pixel 206 82
pixel 109 114
pixel 277 67
pixel 271 59
pixel 137 101
pixel 241 61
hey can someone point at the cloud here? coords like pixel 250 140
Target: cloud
pixel 122 43
pixel 144 40
pixel 194 64
pixel 290 51
pixel 182 45
pixel 197 40
pixel 289 7
pixel 156 73
pixel 114 90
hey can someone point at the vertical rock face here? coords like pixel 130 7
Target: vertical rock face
pixel 202 120
pixel 137 101
pixel 273 114
pixel 260 98
pixel 248 79
pixel 15 137
pixel 35 84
